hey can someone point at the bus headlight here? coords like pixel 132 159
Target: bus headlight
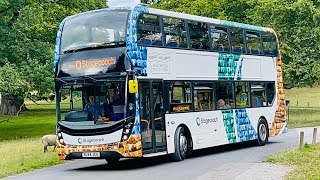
pixel 127 128
pixel 59 136
pixel 125 137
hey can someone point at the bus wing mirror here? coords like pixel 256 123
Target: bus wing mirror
pixel 133 86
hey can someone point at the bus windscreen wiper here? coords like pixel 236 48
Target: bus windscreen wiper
pixel 97 46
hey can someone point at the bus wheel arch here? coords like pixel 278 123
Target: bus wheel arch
pixel 262 132
pixel 182 143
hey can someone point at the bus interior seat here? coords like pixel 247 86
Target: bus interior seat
pixel 176 101
pixel 173 44
pixel 237 49
pixel 256 102
pixel 146 42
pixel 157 43
pixel 219 47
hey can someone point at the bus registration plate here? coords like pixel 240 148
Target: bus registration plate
pixel 91 154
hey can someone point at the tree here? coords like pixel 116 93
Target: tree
pixel 28 29
pixel 297 24
pixel 206 8
pixel 295 21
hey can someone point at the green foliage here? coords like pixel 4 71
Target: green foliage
pixel 28 29
pixel 11 81
pixel 297 25
pixel 197 7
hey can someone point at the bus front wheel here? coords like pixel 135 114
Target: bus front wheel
pixel 262 133
pixel 180 145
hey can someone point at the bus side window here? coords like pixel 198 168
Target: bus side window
pixel 258 98
pixel 237 43
pixel 270 93
pixel 199 35
pixel 203 96
pixel 175 32
pixel 242 99
pixel 269 44
pixel 220 39
pixel 224 94
pixel 180 96
pixel 253 43
pixel 149 32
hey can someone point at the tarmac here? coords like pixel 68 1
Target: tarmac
pixel 255 171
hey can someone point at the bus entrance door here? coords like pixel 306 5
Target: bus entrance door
pixel 152 117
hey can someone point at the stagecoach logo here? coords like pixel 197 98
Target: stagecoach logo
pixel 82 64
pixel 85 140
pixel 200 121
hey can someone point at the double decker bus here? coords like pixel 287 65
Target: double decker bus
pixel 141 82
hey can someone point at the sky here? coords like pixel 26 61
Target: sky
pixel 117 3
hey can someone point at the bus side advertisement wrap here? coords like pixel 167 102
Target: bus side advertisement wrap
pixel 57 46
pixel 279 125
pixel 230 66
pixel 137 54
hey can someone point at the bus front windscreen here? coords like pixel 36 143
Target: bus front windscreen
pixel 99 103
pixel 95 29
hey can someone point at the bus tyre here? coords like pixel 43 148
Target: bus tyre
pixel 262 133
pixel 180 145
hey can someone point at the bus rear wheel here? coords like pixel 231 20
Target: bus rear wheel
pixel 262 133
pixel 180 145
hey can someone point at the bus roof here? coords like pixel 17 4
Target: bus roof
pixel 209 20
pixel 185 16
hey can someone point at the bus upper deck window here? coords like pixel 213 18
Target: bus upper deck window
pixel 237 40
pixel 149 32
pixel 220 38
pixel 253 43
pixel 175 32
pixel 269 44
pixel 199 35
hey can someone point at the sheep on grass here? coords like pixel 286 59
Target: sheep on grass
pixel 49 140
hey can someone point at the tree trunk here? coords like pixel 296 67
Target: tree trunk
pixel 10 105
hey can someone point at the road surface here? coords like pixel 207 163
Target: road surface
pixel 229 160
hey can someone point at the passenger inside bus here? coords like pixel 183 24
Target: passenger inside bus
pixel 114 105
pixel 221 104
pixel 241 97
pixel 95 109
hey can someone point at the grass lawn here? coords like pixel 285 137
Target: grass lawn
pixel 17 156
pixel 306 96
pixel 303 118
pixel 306 160
pixel 21 148
pixel 34 123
